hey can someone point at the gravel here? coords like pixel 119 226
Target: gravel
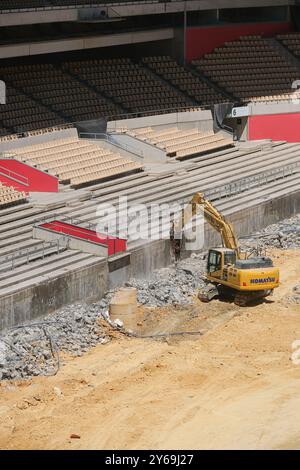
pixel 34 349
pixel 172 285
pixel 285 234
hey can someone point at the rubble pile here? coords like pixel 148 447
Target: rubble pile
pixel 172 285
pixel 34 349
pixel 284 234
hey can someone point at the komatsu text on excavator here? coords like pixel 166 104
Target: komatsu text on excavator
pixel 229 273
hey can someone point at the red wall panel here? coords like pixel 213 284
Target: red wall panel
pixel 200 41
pixel 115 245
pixel 14 184
pixel 33 179
pixel 275 127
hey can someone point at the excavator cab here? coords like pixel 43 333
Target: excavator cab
pixel 217 259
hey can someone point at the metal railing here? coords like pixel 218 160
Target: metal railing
pixel 14 176
pixel 155 112
pixel 244 184
pixel 28 255
pixel 110 140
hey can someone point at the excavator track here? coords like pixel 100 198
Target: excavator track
pixel 244 298
pixel 241 300
pixel 207 293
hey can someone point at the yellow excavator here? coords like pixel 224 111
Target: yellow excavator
pixel 230 274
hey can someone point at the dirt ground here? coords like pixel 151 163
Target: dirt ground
pixel 234 387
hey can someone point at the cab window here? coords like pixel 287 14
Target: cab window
pixel 214 262
pixel 229 258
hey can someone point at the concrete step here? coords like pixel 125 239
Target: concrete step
pixel 157 184
pixel 287 189
pixel 41 277
pixel 14 216
pixel 26 268
pixel 52 270
pixel 229 205
pixel 16 239
pixel 26 245
pixel 14 209
pixel 28 259
pixel 186 195
pixel 119 181
pixel 198 183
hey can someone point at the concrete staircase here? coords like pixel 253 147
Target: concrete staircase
pixel 285 52
pixel 168 83
pixel 211 83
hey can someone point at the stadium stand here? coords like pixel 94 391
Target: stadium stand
pixel 75 161
pixel 129 84
pixel 184 79
pixel 65 98
pixel 3 131
pixel 10 196
pixel 48 94
pixel 44 95
pixel 252 69
pixel 182 143
pixel 291 41
pixel 22 113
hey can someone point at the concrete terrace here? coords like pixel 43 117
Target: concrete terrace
pixel 30 263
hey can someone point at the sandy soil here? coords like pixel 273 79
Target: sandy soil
pixel 233 387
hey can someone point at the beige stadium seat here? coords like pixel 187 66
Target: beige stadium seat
pixel 9 195
pixel 76 160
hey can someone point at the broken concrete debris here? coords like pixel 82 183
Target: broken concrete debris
pixel 33 349
pixel 285 234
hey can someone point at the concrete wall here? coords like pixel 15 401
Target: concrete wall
pixel 256 109
pixel 145 152
pixel 275 127
pixel 201 119
pixel 197 44
pixel 90 284
pixel 72 243
pixel 84 42
pixel 133 9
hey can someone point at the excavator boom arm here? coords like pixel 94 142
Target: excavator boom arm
pixel 213 217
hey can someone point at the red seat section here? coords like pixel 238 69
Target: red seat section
pixel 26 178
